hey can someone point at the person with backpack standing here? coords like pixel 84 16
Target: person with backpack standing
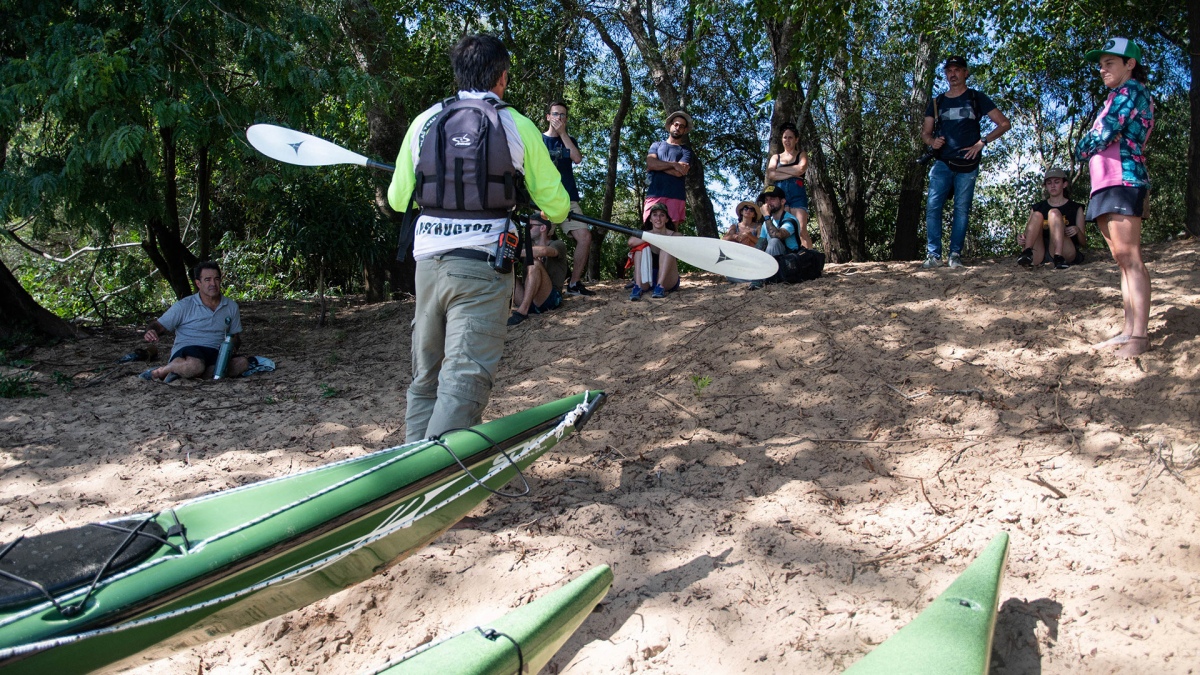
pixel 955 117
pixel 463 161
pixel 1115 149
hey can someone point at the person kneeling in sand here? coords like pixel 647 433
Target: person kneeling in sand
pixel 199 323
pixel 541 289
pixel 1055 231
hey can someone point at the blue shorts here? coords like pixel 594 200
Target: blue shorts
pixel 206 354
pixel 794 193
pixel 553 301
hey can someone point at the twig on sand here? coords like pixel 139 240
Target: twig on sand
pixel 906 396
pixel 1038 480
pixel 1074 441
pixel 893 441
pixel 1159 460
pixel 953 459
pixel 694 415
pixel 964 392
pixel 921 483
pixel 922 547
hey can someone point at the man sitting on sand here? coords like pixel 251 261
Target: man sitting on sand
pixel 198 322
pixel 541 289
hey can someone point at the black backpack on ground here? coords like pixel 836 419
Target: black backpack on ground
pixel 804 264
pixel 464 168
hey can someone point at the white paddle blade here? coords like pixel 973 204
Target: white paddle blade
pixel 717 255
pixel 293 147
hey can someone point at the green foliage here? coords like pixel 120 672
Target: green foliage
pixel 327 391
pixel 20 385
pixel 64 381
pixel 699 384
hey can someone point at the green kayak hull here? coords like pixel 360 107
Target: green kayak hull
pixel 255 552
pixel 954 634
pixel 539 629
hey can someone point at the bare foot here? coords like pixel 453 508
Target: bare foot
pixel 1114 341
pixel 1134 346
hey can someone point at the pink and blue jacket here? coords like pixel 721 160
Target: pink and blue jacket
pixel 1115 145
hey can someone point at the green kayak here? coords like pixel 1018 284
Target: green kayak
pixel 139 588
pixel 954 634
pixel 522 641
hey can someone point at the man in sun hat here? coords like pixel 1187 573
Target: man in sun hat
pixel 668 162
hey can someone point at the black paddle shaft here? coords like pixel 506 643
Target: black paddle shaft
pixel 380 165
pixel 604 223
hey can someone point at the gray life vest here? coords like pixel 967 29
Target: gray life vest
pixel 464 168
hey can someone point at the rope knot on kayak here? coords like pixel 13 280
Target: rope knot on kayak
pixel 493 635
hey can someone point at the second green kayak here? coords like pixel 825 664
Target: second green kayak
pixel 522 641
pixel 953 636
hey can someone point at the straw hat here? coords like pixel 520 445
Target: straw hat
pixel 737 210
pixel 679 113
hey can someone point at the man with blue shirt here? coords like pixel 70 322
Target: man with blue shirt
pixel 955 117
pixel 668 162
pixel 778 233
pixel 566 155
pixel 199 323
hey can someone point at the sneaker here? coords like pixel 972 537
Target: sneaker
pixel 955 260
pixel 931 262
pixel 578 288
pixel 636 293
pixel 171 377
pixel 516 318
pixel 147 375
pixel 755 285
pixel 1060 263
pixel 629 285
pixel 658 292
pixel 1026 258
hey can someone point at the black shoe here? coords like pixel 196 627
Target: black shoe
pixel 517 318
pixel 1060 263
pixel 1026 258
pixel 578 288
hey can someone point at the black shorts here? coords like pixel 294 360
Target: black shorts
pixel 206 354
pixel 1125 201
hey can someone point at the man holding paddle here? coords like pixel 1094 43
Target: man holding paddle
pixel 464 176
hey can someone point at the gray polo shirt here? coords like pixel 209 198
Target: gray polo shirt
pixel 195 324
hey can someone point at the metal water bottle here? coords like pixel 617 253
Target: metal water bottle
pixel 226 352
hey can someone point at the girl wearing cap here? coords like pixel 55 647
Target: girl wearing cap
pixel 1055 231
pixel 1115 148
pixel 653 267
pixel 786 172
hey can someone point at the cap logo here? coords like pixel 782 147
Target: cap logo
pixel 1110 44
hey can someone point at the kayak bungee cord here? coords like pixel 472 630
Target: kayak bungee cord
pixel 438 440
pixel 493 635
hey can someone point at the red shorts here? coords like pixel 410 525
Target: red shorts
pixel 676 208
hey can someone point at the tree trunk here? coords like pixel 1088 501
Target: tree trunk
pixel 614 140
pixel 20 312
pixel 1191 217
pixel 910 213
pixel 204 196
pixel 639 20
pixel 367 35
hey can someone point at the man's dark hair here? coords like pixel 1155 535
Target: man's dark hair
pixel 561 103
pixel 206 265
pixel 478 62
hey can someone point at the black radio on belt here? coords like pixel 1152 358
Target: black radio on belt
pixel 506 251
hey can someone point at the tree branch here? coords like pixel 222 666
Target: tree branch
pixel 87 249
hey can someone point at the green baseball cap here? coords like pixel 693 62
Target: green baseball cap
pixel 1118 46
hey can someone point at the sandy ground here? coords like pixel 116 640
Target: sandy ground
pixel 859 439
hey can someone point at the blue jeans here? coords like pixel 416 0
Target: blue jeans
pixel 943 182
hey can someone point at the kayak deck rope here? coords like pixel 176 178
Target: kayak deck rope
pixel 439 440
pixel 493 634
pixel 73 610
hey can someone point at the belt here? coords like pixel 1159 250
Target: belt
pixel 468 253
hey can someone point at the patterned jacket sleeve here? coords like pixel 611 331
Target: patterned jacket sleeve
pixel 1108 126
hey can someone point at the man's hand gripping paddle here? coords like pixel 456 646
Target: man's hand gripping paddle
pixel 712 255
